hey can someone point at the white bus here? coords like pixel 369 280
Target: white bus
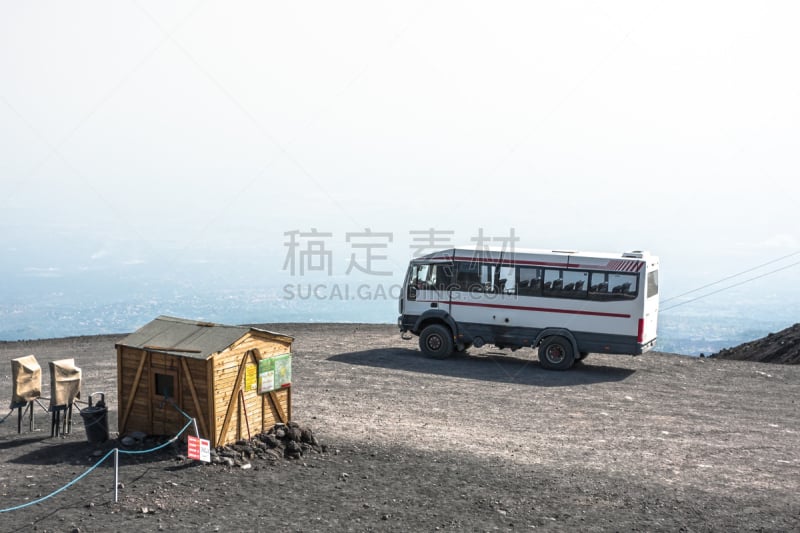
pixel 566 303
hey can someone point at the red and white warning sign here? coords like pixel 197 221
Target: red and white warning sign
pixel 199 449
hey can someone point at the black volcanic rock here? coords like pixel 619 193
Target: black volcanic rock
pixel 782 347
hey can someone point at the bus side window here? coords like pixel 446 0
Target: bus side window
pixel 575 284
pixel 553 282
pixel 598 286
pixel 424 277
pixel 529 281
pixel 487 279
pixel 506 280
pixel 462 282
pixel 444 277
pixel 415 277
pixel 623 286
pixel 468 277
pixel 652 283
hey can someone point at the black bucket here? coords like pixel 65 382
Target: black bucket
pixel 95 419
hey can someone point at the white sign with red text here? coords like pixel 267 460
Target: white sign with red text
pixel 199 449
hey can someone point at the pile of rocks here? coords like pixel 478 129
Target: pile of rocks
pixel 282 441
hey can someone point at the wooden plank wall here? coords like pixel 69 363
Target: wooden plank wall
pixel 195 393
pixel 256 413
pixel 127 367
pixel 146 414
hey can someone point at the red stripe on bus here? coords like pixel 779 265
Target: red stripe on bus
pixel 540 309
pixel 511 262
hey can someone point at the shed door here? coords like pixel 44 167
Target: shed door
pixel 166 391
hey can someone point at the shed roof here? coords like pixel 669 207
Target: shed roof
pixel 189 338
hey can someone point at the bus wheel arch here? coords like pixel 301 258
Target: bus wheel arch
pixel 434 316
pixel 436 340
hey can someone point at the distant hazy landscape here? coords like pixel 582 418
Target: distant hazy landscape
pixel 194 158
pixel 45 309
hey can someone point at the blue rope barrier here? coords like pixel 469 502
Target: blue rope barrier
pixel 98 463
pixel 181 411
pixel 61 489
pixel 170 441
pixel 9 414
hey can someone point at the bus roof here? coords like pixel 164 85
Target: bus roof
pixel 543 257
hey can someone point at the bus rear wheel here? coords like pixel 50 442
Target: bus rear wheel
pixel 556 353
pixel 436 341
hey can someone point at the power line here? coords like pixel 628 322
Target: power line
pixel 736 276
pixel 730 286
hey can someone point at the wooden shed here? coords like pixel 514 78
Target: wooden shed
pixel 234 380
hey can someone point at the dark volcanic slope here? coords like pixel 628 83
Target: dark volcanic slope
pixel 782 347
pixel 483 441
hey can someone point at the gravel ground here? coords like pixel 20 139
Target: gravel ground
pixel 479 442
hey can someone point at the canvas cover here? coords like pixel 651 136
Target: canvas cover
pixel 26 376
pixel 65 382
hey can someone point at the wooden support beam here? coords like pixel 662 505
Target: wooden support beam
pixel 120 387
pixel 234 399
pixel 276 403
pixel 211 387
pixel 196 402
pixel 132 396
pixel 151 394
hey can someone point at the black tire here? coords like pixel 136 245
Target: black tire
pixel 436 341
pixel 556 353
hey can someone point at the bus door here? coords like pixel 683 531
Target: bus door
pixel 428 287
pixel 649 330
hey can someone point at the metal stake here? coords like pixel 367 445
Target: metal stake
pixel 116 475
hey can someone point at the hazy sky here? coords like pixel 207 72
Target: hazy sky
pixel 173 133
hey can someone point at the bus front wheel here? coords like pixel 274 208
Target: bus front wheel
pixel 436 341
pixel 556 353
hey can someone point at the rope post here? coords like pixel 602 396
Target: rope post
pixel 116 475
